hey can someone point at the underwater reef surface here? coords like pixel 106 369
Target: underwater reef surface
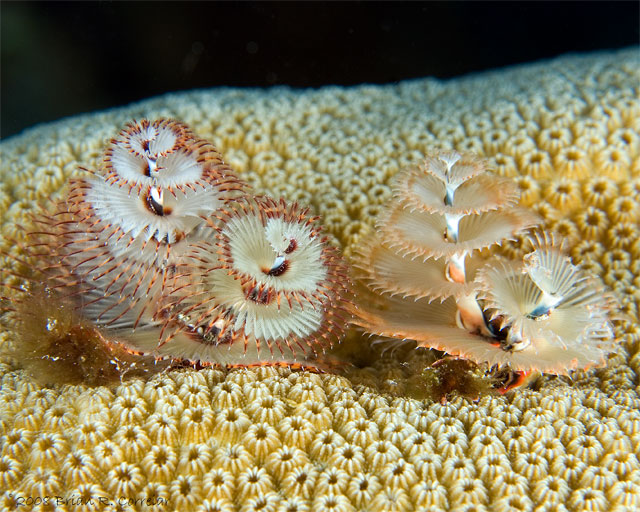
pixel 568 130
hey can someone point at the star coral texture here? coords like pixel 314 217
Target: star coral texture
pixel 565 130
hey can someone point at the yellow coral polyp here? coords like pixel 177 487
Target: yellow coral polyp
pixel 231 424
pixel 134 441
pixel 159 464
pixel 624 494
pixel 219 484
pixel 197 424
pixel 572 162
pixel 588 499
pixel 614 162
pixel 429 494
pixel 457 468
pixel 469 491
pixel 349 458
pixel 485 444
pixel 10 471
pixel 380 453
pixel 125 479
pixel 399 474
pixel 317 413
pixel 162 428
pixel 297 431
pixel 536 164
pixel 227 395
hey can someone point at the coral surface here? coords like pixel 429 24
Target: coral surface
pixel 275 440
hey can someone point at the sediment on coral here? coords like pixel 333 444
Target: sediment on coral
pixel 331 131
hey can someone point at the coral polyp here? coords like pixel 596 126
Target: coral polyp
pixel 427 281
pixel 269 287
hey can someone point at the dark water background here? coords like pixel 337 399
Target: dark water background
pixel 63 58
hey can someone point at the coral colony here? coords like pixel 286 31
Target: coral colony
pixel 565 131
pixel 428 282
pixel 163 254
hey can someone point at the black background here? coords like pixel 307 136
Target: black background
pixel 62 58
